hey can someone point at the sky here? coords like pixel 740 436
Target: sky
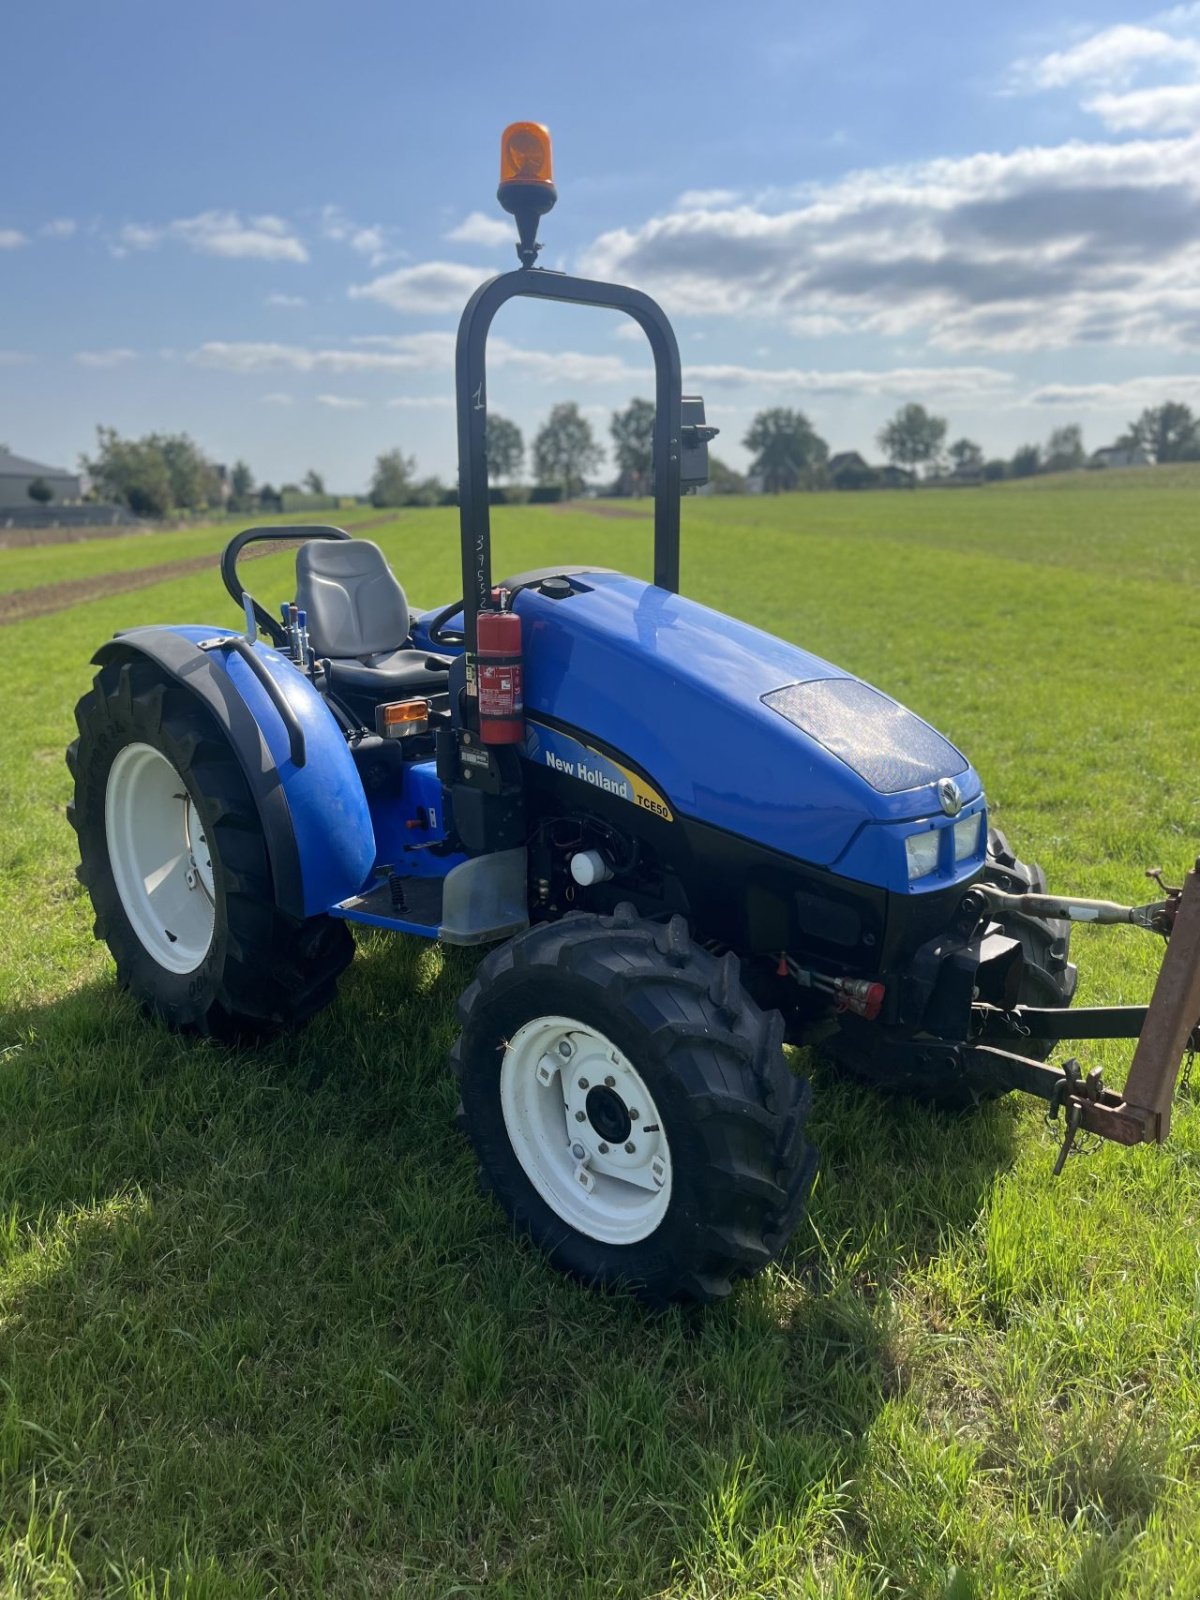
pixel 258 222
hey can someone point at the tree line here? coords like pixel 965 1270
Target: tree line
pixel 160 474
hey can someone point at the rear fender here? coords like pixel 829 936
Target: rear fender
pixel 315 817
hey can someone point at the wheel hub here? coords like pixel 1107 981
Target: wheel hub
pixel 160 858
pixel 608 1114
pixel 585 1128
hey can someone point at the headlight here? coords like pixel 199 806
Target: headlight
pixel 922 852
pixel 966 837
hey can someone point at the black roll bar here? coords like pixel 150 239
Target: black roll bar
pixel 229 572
pixel 471 386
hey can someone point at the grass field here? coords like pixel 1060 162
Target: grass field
pixel 260 1335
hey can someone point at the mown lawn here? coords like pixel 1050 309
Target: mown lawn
pixel 260 1335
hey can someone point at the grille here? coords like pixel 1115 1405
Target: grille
pixel 881 741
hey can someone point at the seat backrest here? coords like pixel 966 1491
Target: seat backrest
pixel 355 606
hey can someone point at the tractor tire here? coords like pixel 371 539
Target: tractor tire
pixel 1048 979
pixel 698 1183
pixel 173 855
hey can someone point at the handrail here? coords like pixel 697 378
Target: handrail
pixel 233 584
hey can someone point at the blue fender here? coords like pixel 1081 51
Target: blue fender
pixel 315 817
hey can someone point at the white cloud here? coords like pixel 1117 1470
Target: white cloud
pixel 366 241
pixel 341 402
pixel 12 239
pixel 1041 248
pixel 433 286
pixel 434 353
pixel 1132 394
pixel 629 331
pixel 1113 56
pixel 414 352
pixel 706 199
pixel 1169 108
pixel 59 228
pixel 276 399
pixel 286 300
pixel 219 233
pixel 903 381
pixel 420 402
pixel 106 358
pixel 481 229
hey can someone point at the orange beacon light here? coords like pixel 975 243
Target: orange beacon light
pixel 526 182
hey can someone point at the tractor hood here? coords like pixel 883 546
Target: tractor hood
pixel 734 727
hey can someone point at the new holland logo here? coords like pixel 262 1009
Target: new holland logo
pixel 949 796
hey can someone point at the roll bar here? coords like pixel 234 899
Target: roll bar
pixel 471 386
pixel 231 552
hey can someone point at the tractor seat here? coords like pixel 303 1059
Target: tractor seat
pixel 358 620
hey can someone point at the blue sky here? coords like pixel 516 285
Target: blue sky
pixel 258 222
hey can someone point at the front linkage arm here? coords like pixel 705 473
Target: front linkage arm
pixel 1164 1029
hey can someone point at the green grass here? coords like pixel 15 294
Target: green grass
pixel 259 1334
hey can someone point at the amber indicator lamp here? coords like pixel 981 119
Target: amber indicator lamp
pixel 526 182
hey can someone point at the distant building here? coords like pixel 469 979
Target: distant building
pixel 17 473
pixel 1120 455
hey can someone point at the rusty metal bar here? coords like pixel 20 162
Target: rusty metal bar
pixel 1170 1020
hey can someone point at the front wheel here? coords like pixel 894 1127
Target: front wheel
pixel 631 1108
pixel 173 854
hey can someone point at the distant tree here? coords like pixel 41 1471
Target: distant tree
pixel 966 456
pixel 1064 450
pixel 788 451
pixel 505 448
pixel 1166 433
pixel 241 486
pixel 392 481
pixel 724 479
pixel 994 471
pixel 132 472
pixel 565 449
pixel 914 437
pixel 428 492
pixel 314 482
pixel 269 498
pixel 40 492
pixel 633 445
pixel 1026 461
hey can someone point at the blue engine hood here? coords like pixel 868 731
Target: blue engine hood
pixel 681 691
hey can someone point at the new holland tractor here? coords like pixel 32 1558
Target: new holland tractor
pixel 687 843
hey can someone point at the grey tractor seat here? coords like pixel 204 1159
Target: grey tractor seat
pixel 358 620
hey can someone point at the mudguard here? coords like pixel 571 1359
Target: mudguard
pixel 315 817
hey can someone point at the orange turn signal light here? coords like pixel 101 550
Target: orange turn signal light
pixel 525 154
pixel 401 717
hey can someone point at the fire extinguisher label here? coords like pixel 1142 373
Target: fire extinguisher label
pixel 500 690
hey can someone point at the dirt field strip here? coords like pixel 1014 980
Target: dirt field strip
pixel 50 597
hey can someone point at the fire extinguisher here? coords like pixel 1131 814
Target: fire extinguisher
pixel 498 674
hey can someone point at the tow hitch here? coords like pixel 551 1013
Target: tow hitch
pixel 1165 1029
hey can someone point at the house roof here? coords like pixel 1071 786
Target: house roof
pixel 22 467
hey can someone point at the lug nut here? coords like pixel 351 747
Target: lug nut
pixel 581 1116
pixel 630 1147
pixel 610 1082
pixel 584 1084
pixel 578 1152
pixel 603 1148
pixel 633 1115
pixel 565 1050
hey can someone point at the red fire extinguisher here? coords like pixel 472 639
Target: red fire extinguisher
pixel 498 674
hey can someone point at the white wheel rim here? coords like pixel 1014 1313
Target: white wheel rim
pixel 561 1084
pixel 160 858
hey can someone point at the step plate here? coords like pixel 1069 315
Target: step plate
pixel 418 910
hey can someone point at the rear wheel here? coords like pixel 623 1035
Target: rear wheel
pixel 632 1108
pixel 173 855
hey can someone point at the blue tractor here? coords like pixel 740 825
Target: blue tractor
pixel 686 841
